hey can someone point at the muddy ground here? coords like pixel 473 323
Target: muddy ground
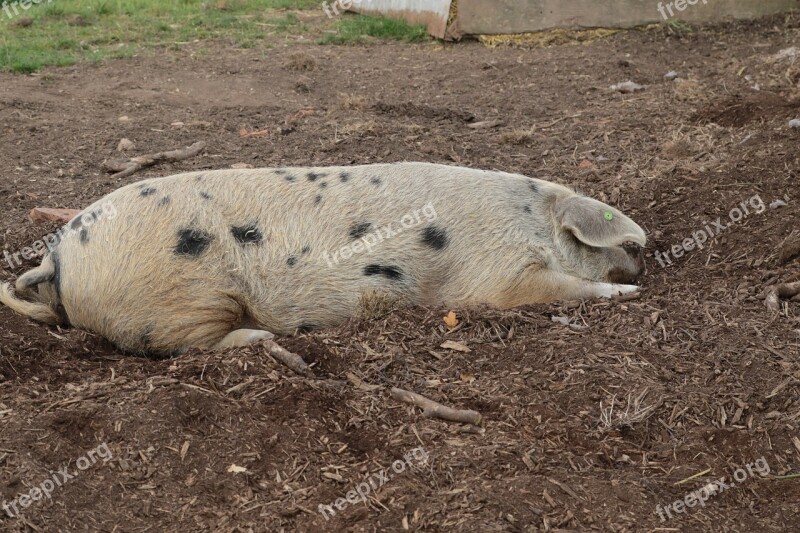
pixel 700 375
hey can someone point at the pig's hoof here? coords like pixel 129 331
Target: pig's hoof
pixel 609 290
pixel 243 337
pixel 623 289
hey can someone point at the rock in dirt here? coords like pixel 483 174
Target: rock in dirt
pixel 45 214
pixel 775 204
pixel 671 75
pixel 485 124
pixel 125 145
pixel 786 53
pixel 795 123
pixel 627 87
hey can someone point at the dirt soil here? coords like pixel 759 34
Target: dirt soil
pixel 587 427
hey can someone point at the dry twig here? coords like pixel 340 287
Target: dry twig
pixel 291 360
pixel 127 168
pixel 437 410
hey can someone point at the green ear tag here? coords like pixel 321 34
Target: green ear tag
pixel 608 215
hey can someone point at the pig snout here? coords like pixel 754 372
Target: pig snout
pixel 632 265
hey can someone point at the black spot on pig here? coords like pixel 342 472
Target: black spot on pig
pixel 359 230
pixel 527 209
pixel 290 179
pixel 247 234
pixel 63 317
pixel 376 181
pixel 292 261
pixel 192 242
pixel 280 171
pixel 90 218
pixel 57 275
pixel 390 272
pixel 323 184
pixel 84 236
pixel 305 249
pixel 147 191
pixel 344 176
pixel 61 311
pixel 533 187
pixel 164 201
pixel 205 195
pixel 318 199
pixel 435 237
pixel 313 176
pixel 199 178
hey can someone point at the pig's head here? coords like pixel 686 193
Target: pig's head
pixel 596 242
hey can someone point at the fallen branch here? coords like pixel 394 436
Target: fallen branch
pixel 437 410
pixel 291 360
pixel 124 169
pixel 782 291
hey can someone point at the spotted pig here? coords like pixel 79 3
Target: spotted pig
pixel 225 258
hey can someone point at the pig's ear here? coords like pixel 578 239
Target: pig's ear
pixel 597 224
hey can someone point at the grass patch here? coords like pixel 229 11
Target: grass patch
pixel 679 28
pixel 359 28
pixel 63 32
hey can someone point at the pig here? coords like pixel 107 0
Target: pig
pixel 225 258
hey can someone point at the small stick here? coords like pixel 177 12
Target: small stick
pixel 681 482
pixel 792 476
pixel 124 169
pixel 784 290
pixel 292 360
pixel 551 124
pixel 434 409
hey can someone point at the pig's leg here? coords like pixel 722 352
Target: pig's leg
pixel 536 284
pixel 243 337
